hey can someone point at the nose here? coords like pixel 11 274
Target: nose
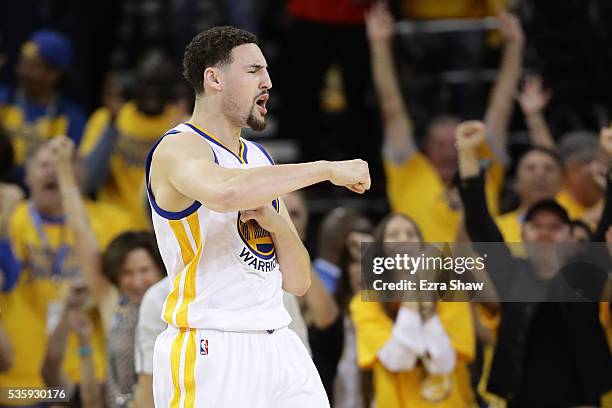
pixel 540 172
pixel 545 235
pixel 267 82
pixel 139 281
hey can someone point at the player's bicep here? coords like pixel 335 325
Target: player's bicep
pixel 187 168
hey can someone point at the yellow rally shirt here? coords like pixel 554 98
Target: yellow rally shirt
pixel 414 188
pixel 27 310
pixel 137 133
pixel 373 329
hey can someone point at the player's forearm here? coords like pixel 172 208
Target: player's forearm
pixel 539 133
pixel 246 189
pixel 293 260
pixel 501 103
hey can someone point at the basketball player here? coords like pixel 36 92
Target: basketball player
pixel 228 243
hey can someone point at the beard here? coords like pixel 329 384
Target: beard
pixel 238 115
pixel 254 123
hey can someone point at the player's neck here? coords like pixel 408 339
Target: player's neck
pixel 211 119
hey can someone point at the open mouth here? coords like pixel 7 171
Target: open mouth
pixel 261 103
pixel 51 185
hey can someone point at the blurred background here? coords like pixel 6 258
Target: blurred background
pixel 107 74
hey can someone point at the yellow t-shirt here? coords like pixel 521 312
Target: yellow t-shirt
pixel 25 310
pixel 137 133
pixel 373 329
pixel 415 188
pixel 509 225
pixel 574 209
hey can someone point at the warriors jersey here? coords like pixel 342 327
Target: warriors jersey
pixel 223 273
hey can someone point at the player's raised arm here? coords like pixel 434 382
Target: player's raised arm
pixel 397 128
pixel 183 170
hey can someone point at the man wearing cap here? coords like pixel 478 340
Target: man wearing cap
pixel 35 110
pixel 548 353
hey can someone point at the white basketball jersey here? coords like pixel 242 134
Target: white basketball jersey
pixel 223 273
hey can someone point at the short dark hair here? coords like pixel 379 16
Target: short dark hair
pixel 210 48
pixel 544 150
pixel 114 256
pixel 547 205
pixel 442 120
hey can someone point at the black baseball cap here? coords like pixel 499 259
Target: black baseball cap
pixel 549 205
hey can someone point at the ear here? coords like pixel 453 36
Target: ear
pixel 212 78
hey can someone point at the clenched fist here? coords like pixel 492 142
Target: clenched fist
pixel 352 174
pixel 469 135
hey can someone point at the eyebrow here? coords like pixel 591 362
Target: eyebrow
pixel 256 66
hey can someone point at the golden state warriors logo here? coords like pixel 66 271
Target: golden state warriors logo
pixel 259 251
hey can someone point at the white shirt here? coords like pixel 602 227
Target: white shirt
pixel 150 325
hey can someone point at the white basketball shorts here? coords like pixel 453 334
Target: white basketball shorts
pixel 212 368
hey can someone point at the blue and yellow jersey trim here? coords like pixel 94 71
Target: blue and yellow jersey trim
pixel 260 147
pixel 169 215
pixel 242 153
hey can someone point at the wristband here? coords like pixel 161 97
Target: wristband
pixel 85 351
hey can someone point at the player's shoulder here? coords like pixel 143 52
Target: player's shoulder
pixel 181 144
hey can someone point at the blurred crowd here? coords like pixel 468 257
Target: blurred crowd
pixel 89 88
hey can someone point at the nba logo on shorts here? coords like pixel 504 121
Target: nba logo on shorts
pixel 204 347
